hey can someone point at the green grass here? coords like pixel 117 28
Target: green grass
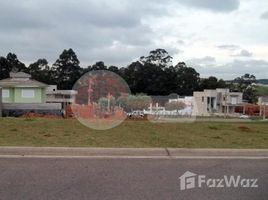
pixel 262 90
pixel 70 133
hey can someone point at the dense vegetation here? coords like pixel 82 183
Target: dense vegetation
pixel 153 74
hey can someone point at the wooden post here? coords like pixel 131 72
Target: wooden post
pixel 109 102
pixel 260 104
pixel 264 111
pixel 151 108
pixel 90 91
pixel 225 111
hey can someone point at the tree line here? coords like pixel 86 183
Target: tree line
pixel 152 75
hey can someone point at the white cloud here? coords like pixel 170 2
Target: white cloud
pixel 264 15
pixel 217 6
pixel 205 61
pixel 234 69
pixel 230 47
pixel 242 53
pixel 205 32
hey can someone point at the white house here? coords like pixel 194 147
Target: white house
pixel 216 102
pixel 65 97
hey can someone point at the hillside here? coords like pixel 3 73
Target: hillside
pixel 262 90
pixel 263 81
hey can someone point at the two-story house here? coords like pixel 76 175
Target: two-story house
pixel 219 101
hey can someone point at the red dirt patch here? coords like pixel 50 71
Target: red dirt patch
pixel 245 129
pixel 36 115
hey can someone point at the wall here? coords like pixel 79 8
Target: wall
pixel 19 109
pixel 200 107
pixel 10 99
pixel 30 106
pixel 39 96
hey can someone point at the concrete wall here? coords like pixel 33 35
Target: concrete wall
pixel 30 106
pixel 15 96
pixel 200 104
pixel 18 109
pixel 9 99
pixel 263 100
pixel 38 98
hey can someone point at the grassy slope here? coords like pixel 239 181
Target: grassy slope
pixel 262 90
pixel 59 132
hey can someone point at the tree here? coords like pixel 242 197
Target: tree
pixel 133 75
pixel 14 64
pixel 187 79
pixel 245 84
pixel 175 105
pixel 114 69
pixel 146 78
pixel 4 68
pixel 10 63
pixel 212 83
pixel 41 71
pixel 99 66
pixel 134 102
pixel 221 84
pixel 152 78
pixel 245 80
pixel 66 69
pixel 158 57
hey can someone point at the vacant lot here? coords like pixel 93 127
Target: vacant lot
pixel 70 133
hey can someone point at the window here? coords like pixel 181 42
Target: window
pixel 27 93
pixel 203 99
pixel 234 100
pixel 5 93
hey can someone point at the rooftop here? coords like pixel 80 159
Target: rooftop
pixel 19 75
pixel 21 79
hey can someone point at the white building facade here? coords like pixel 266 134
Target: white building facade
pixel 216 102
pixel 65 97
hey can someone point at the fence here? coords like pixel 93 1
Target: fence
pixel 252 110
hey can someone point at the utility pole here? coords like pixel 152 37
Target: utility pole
pixel 90 90
pixel 260 104
pixel 109 102
pixel 262 108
